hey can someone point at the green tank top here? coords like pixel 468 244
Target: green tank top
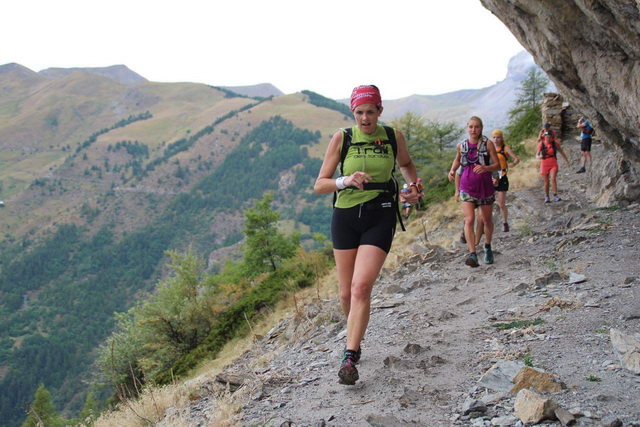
pixel 376 160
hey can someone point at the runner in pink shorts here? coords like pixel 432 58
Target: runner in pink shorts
pixel 547 151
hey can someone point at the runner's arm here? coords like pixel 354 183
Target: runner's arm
pixel 511 154
pixel 455 165
pixel 325 183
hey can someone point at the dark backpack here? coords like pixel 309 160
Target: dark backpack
pixel 390 186
pixel 544 149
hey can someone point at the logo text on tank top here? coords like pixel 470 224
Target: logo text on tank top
pixel 376 151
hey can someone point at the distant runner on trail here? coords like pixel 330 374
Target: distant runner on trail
pixel 479 159
pixel 546 128
pixel 501 183
pixel 365 210
pixel 479 222
pixel 421 203
pixel 406 206
pixel 586 131
pixel 500 180
pixel 547 151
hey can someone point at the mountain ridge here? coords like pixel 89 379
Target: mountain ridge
pixel 491 103
pixel 120 73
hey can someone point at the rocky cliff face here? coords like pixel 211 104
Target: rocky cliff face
pixel 591 51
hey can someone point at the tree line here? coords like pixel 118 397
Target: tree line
pixel 74 281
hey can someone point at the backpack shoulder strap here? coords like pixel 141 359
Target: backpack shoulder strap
pixel 464 150
pixel 483 151
pixel 391 136
pixel 347 137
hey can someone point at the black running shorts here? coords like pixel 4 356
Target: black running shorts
pixel 503 184
pixel 585 145
pixel 359 225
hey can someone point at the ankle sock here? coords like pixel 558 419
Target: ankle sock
pixel 487 245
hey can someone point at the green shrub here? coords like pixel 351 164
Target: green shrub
pixel 527 126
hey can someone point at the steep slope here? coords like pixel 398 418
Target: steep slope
pixel 596 67
pixel 99 179
pixel 564 277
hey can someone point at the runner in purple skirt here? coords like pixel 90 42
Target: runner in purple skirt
pixel 478 159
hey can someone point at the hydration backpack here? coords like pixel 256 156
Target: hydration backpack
pixel 390 186
pixel 589 130
pixel 483 152
pixel 544 148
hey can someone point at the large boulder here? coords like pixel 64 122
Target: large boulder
pixel 627 348
pixel 531 407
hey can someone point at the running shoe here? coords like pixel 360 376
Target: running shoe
pixel 556 198
pixel 581 170
pixel 547 200
pixel 488 256
pixel 505 227
pixel 472 260
pixel 355 355
pixel 348 373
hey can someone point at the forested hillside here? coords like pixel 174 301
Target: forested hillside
pixel 111 178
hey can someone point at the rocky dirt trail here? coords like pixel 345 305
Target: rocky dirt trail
pixel 445 341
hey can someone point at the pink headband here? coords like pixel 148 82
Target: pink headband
pixel 367 94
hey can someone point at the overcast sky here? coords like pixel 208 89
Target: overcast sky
pixel 405 47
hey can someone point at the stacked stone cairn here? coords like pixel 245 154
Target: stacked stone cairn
pixel 552 111
pixel 562 116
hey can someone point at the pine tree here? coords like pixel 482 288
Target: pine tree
pixel 442 134
pixel 529 94
pixel 428 143
pixel 266 247
pixel 89 411
pixel 524 117
pixel 415 133
pixel 42 411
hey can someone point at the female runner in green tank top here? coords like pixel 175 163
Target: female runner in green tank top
pixel 362 226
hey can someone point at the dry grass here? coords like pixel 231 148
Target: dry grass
pixel 527 176
pixel 325 289
pixel 226 411
pixel 559 302
pixel 149 408
pixel 156 400
pixel 438 225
